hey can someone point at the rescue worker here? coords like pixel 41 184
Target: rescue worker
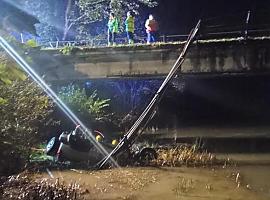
pixel 129 23
pixel 151 26
pixel 112 29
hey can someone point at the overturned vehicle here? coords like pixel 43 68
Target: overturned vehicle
pixel 76 147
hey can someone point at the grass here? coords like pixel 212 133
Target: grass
pixel 184 155
pixel 157 45
pixel 38 154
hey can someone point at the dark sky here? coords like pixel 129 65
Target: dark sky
pixel 178 16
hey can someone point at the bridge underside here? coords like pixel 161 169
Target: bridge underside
pixel 204 57
pixel 225 83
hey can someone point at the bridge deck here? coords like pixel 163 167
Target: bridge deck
pixel 234 55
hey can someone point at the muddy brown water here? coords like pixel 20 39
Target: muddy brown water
pixel 219 183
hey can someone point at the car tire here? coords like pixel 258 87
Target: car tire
pixel 52 146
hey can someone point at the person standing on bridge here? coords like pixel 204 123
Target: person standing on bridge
pixel 130 27
pixel 112 29
pixel 151 26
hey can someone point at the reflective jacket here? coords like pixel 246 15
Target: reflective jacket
pixel 113 25
pixel 130 24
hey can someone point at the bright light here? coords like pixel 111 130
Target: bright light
pixel 26 67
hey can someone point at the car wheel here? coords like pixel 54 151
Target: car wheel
pixel 52 146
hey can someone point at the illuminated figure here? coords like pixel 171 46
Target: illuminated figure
pixel 151 26
pixel 112 29
pixel 130 27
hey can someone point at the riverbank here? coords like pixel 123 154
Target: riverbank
pixel 245 182
pixel 243 176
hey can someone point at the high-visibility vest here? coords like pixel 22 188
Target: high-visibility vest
pixel 113 25
pixel 130 27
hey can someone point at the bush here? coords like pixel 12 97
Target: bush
pixel 9 70
pixel 31 43
pixel 66 50
pixel 89 108
pixel 25 111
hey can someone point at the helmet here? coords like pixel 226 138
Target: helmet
pixel 114 142
pixel 98 138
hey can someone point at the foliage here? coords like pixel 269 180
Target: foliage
pixel 2 101
pixel 87 107
pixel 49 13
pixel 78 17
pixel 38 155
pixel 9 70
pixel 31 43
pixel 66 50
pixel 93 10
pixel 23 115
pixel 134 94
pixel 24 111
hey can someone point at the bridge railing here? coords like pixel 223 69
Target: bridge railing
pixel 90 43
pixel 162 38
pixel 103 42
pixel 245 24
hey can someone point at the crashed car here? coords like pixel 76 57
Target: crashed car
pixel 76 147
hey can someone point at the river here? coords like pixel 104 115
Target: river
pixel 248 178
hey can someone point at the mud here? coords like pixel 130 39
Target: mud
pixel 220 183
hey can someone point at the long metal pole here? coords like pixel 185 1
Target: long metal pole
pixel 134 131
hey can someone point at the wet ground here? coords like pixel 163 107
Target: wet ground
pixel 248 179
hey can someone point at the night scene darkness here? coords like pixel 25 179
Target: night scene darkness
pixel 135 99
pixel 179 16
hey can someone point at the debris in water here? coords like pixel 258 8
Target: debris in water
pixel 237 179
pixel 75 170
pixel 184 186
pixel 50 173
pixel 209 187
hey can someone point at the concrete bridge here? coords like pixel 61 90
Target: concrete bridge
pixel 233 55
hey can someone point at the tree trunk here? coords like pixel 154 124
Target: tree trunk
pixel 67 25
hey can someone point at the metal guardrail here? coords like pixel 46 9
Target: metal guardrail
pixel 242 25
pixel 103 42
pixel 90 43
pixel 163 38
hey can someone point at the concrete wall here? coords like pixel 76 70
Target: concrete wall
pixel 147 61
